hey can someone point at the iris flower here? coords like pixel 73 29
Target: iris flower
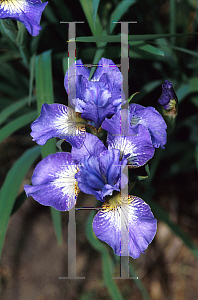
pixel 93 169
pixel 93 100
pixel 27 12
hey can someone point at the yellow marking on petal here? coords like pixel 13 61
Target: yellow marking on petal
pixel 70 123
pixel 65 179
pixel 112 203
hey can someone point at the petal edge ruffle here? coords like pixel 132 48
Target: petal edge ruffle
pixel 141 226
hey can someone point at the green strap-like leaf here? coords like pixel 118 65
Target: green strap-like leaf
pixel 44 87
pixel 8 28
pixel 32 74
pixel 173 19
pixel 11 109
pixel 96 29
pixel 44 84
pixel 146 47
pixel 119 11
pixel 11 186
pixel 95 9
pixel 187 88
pixel 132 38
pixel 18 123
pixel 87 6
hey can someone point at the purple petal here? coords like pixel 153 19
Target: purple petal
pixel 141 227
pixel 90 180
pixel 92 146
pixel 57 120
pixel 97 104
pixel 118 123
pixel 152 120
pixel 75 82
pixel 110 74
pixel 104 66
pixel 54 183
pixel 137 148
pixel 101 175
pixel 99 98
pixel 110 165
pixel 27 12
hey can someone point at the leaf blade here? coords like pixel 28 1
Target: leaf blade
pixel 11 186
pixel 44 86
pixel 119 11
pixel 11 109
pixel 17 124
pixel 95 9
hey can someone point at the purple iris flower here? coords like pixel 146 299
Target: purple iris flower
pixel 27 12
pixel 151 120
pixel 97 173
pixel 93 169
pixel 136 147
pixel 141 225
pixel 94 100
pixel 98 98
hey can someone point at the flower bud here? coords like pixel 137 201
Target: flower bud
pixel 168 100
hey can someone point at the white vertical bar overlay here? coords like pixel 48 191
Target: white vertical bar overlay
pixel 72 221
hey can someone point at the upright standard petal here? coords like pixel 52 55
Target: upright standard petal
pixel 101 175
pixel 57 120
pixel 27 12
pixel 54 183
pixel 97 104
pixel 92 146
pixel 105 66
pixel 98 98
pixel 75 82
pixel 130 216
pixel 150 119
pixel 110 74
pixel 136 147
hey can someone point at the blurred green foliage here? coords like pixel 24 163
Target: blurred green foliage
pixel 162 45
